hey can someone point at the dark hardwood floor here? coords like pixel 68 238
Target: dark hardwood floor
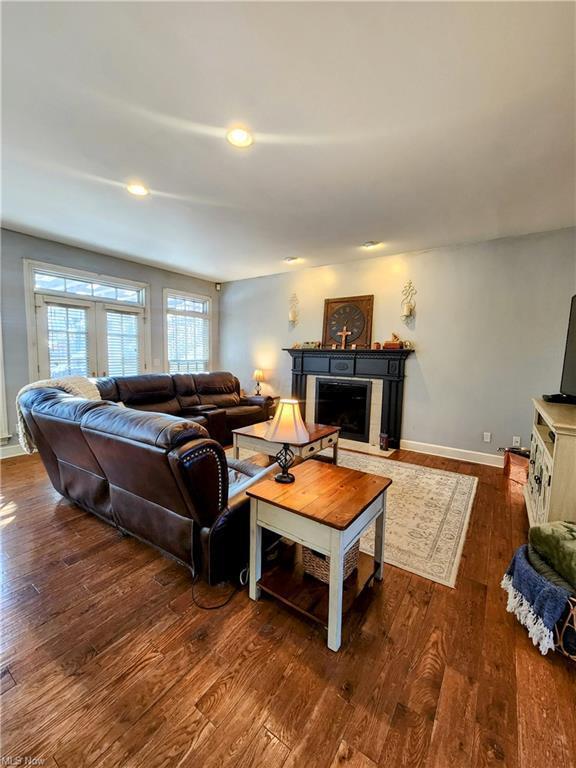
pixel 108 662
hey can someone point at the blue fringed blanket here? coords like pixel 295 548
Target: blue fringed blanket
pixel 536 602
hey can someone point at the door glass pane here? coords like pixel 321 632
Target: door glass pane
pixel 80 287
pixel 123 343
pixel 67 341
pixel 104 291
pixel 128 295
pixel 49 282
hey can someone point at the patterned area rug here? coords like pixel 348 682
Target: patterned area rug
pixel 427 514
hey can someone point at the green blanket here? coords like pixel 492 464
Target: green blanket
pixel 556 544
pixel 541 566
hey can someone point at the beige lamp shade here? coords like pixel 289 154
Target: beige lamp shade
pixel 287 425
pixel 258 375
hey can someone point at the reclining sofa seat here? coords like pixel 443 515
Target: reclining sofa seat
pixel 153 475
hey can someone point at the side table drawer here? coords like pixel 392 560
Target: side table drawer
pixel 309 450
pixel 329 441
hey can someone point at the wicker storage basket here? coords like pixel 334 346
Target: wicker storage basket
pixel 318 565
pixel 565 631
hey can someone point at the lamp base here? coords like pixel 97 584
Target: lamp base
pixel 284 478
pixel 285 459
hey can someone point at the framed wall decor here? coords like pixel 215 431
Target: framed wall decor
pixel 348 321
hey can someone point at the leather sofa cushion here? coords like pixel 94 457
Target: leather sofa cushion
pixel 108 388
pixel 219 382
pixel 170 407
pixel 221 401
pixel 61 405
pixel 185 387
pixel 220 388
pixel 159 430
pixel 143 390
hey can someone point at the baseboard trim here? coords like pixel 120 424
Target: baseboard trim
pixel 474 457
pixel 9 451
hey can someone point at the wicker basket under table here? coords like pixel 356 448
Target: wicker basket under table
pixel 318 565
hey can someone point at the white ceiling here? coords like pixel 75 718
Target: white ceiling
pixel 418 124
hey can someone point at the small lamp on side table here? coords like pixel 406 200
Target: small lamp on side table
pixel 288 428
pixel 258 376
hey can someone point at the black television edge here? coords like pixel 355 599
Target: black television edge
pixel 568 383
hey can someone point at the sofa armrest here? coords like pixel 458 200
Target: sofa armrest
pixel 201 472
pixel 261 400
pixel 198 409
pixel 226 544
pixel 252 474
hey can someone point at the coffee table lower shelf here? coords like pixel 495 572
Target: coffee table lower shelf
pixel 288 583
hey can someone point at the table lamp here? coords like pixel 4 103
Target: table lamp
pixel 258 376
pixel 288 428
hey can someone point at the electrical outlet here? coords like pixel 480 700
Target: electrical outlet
pixel 487 437
pixel 516 441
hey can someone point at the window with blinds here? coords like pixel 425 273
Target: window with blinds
pixel 123 339
pixel 67 341
pixel 87 324
pixel 187 332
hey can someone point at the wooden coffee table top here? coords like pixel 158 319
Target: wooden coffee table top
pixel 315 432
pixel 328 494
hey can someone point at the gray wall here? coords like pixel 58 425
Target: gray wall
pixel 489 331
pixel 16 247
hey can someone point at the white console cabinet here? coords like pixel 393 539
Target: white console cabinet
pixel 550 492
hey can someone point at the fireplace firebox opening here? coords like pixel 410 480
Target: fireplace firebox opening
pixel 345 404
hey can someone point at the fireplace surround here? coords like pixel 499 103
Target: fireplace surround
pixel 384 365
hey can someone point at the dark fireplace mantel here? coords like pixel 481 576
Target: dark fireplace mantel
pixel 385 364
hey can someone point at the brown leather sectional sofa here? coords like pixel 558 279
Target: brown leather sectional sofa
pixel 154 475
pixel 211 399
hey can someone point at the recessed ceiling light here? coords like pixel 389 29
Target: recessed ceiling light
pixel 135 188
pixel 371 244
pixel 292 259
pixel 239 137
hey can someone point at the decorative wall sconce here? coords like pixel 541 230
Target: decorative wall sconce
pixel 293 314
pixel 408 305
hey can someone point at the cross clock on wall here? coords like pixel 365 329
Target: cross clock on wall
pixel 348 321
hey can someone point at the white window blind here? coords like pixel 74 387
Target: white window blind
pixel 123 339
pixel 187 332
pixel 67 341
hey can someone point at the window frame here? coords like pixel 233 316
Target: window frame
pixel 31 294
pixel 174 292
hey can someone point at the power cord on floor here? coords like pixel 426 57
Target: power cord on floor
pixel 211 607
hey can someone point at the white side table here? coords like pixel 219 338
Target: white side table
pixel 327 508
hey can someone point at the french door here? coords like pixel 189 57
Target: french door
pixel 77 337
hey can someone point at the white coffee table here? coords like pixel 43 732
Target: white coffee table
pixel 254 438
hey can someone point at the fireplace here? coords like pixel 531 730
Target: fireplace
pixel 345 404
pixel 383 368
